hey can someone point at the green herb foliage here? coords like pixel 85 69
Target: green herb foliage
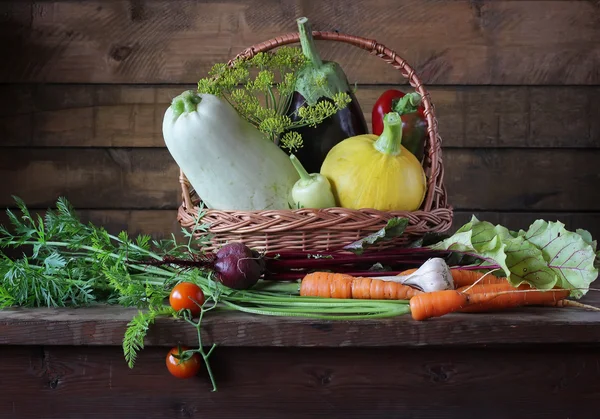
pixel 133 341
pixel 66 262
pixel 261 89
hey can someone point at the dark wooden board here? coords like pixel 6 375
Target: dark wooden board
pixel 447 42
pixel 105 325
pixel 131 116
pixel 477 179
pixel 271 383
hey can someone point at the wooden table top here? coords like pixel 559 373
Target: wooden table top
pixel 105 325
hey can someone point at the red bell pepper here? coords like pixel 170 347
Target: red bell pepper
pixel 412 113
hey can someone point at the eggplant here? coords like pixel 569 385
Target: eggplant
pixel 320 81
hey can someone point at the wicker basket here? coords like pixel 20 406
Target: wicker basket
pixel 324 229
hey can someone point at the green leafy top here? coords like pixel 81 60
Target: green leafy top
pixel 394 228
pixel 545 256
pixel 261 88
pixel 72 264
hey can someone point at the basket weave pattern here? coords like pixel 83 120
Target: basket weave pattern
pixel 324 229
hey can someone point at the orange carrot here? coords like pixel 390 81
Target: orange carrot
pixel 333 285
pixel 408 272
pixel 531 299
pixel 499 287
pixel 571 303
pixel 481 286
pixel 465 277
pixel 510 300
pixel 438 303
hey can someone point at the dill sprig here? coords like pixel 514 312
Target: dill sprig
pixel 261 89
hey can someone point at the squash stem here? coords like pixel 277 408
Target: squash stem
pixel 186 102
pixel 390 140
pixel 308 43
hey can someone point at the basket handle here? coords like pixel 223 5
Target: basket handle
pixel 436 192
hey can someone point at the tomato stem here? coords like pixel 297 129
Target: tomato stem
pixel 200 349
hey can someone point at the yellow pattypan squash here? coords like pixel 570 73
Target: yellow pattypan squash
pixel 367 171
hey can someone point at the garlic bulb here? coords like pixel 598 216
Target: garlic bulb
pixel 433 275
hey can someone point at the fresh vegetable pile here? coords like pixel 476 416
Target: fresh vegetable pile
pixel 482 267
pixel 235 135
pixel 278 131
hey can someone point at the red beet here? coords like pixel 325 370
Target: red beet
pixel 237 266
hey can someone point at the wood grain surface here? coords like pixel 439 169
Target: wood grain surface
pixel 516 85
pixel 131 115
pixel 147 178
pixel 84 86
pixel 271 383
pixel 105 325
pixel 447 42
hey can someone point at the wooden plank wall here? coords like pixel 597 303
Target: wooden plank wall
pixel 516 84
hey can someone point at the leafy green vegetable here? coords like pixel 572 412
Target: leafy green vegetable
pixel 428 239
pixel 526 261
pixel 477 239
pixel 394 228
pixel 587 237
pixel 568 254
pixel 544 256
pixel 261 88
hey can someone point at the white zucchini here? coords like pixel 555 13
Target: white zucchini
pixel 228 161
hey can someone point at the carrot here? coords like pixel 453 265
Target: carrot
pixel 510 300
pixel 571 303
pixel 408 272
pixel 482 285
pixel 437 303
pixel 496 296
pixel 479 288
pixel 465 277
pixel 532 298
pixel 335 285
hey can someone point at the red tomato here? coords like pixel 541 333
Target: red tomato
pixel 183 296
pixel 184 367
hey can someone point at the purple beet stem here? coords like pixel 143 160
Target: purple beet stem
pixel 297 254
pixel 475 267
pixel 303 260
pixel 292 276
pixel 182 262
pixel 322 263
